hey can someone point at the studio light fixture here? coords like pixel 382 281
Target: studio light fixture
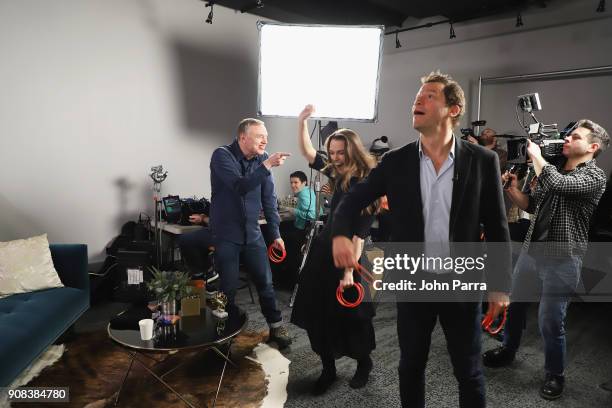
pixel 259 4
pixel 339 92
pixel 519 19
pixel 209 19
pixel 452 30
pixel 397 42
pixel 602 6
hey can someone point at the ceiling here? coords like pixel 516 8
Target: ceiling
pixel 390 13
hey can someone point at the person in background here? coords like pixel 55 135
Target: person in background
pixel 304 211
pixel 242 186
pixel 197 251
pixel 549 266
pixel 294 231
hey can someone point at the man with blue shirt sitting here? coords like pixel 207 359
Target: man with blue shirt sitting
pixel 242 186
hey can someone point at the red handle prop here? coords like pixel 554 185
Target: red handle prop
pixel 346 303
pixel 488 321
pixel 276 255
pixel 367 276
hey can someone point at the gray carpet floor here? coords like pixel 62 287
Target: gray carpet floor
pixel 589 337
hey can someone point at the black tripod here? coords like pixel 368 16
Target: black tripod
pixel 313 230
pixel 316 226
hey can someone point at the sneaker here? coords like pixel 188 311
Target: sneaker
pixel 498 357
pixel 280 335
pixel 552 387
pixel 211 276
pixel 198 276
pixel 212 289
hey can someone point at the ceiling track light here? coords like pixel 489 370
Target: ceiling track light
pixel 397 42
pixel 519 19
pixel 252 6
pixel 452 30
pixel 602 6
pixel 209 19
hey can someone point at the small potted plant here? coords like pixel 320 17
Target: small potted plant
pixel 168 287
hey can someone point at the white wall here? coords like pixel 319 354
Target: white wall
pixel 95 92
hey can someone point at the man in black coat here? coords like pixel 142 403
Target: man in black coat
pixel 440 190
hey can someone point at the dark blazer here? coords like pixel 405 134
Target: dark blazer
pixel 477 199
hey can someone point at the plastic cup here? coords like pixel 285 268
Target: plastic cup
pixel 146 329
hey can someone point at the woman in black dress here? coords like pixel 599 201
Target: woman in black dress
pixel 335 331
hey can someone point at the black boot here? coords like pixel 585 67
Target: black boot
pixel 552 387
pixel 327 377
pixel 362 374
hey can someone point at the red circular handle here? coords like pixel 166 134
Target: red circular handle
pixel 346 303
pixel 276 255
pixel 488 321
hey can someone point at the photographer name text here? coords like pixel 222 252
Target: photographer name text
pixel 427 285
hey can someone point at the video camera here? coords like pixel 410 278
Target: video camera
pixel 465 132
pixel 547 137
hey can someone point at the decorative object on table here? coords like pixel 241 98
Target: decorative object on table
pixel 218 303
pixel 168 287
pixel 165 333
pixel 220 326
pixel 198 287
pixel 168 309
pixel 190 306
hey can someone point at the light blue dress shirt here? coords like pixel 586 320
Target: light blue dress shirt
pixel 436 197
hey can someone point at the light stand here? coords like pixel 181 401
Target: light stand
pixel 158 175
pixel 314 226
pixel 312 233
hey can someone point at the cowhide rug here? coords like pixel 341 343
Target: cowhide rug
pixel 93 367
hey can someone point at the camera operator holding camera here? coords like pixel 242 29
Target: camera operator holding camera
pixel 549 265
pixel 488 140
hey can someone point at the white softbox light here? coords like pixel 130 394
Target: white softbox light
pixel 335 68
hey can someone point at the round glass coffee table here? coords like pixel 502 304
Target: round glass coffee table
pixel 190 333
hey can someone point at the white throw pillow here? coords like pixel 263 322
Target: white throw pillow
pixel 26 266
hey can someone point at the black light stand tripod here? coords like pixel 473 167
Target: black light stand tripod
pixel 317 225
pixel 158 175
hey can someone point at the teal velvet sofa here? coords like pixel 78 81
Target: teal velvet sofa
pixel 30 322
